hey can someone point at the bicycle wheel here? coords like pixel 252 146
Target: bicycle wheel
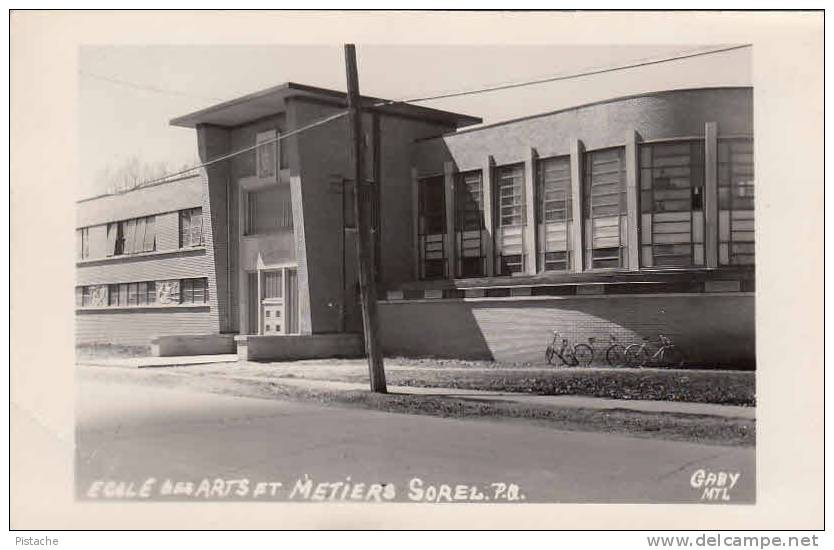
pixel 672 357
pixel 615 356
pixel 583 354
pixel 636 355
pixel 548 355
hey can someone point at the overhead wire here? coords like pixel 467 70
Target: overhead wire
pixel 145 87
pixel 493 88
pixel 556 78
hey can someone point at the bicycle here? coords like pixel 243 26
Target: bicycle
pixel 579 355
pixel 667 354
pixel 615 353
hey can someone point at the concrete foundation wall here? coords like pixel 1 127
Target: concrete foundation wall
pixel 138 327
pixel 294 347
pixel 711 329
pixel 204 344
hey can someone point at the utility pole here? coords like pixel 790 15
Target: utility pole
pixel 367 282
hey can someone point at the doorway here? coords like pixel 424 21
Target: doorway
pixel 273 301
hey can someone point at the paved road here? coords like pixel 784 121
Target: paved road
pixel 128 433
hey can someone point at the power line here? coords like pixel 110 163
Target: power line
pixel 144 87
pixel 487 89
pixel 590 72
pixel 227 156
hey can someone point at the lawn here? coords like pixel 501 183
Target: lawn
pixel 723 387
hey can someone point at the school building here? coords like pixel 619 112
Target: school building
pixel 630 217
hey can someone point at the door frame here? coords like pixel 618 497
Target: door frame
pixel 283 268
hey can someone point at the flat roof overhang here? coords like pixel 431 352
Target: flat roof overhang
pixel 272 101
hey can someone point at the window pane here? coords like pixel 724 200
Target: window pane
pixel 510 190
pixel 736 201
pixel 139 236
pixel 432 226
pixel 129 236
pixel 272 287
pixel 113 295
pixel 196 227
pixel 118 238
pixel 432 206
pixel 511 264
pixel 672 179
pixel 555 212
pixel 469 224
pixel 605 191
pixel 198 293
pixel 186 291
pixel 149 244
pixel 185 228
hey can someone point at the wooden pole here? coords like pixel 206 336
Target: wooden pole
pixel 361 204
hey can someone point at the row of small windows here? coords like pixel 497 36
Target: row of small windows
pixel 138 235
pixel 144 293
pixel 671 206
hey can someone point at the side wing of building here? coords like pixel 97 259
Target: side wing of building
pixel 145 265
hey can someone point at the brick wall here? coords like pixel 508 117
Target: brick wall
pixel 712 329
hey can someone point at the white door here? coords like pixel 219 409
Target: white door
pixel 272 303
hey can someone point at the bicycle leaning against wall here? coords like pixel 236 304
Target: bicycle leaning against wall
pixel 615 353
pixel 661 353
pixel 578 355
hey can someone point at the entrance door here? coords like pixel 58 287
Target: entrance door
pixel 272 302
pixel 279 301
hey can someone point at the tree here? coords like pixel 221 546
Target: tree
pixel 132 174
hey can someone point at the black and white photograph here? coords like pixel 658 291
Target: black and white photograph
pixel 473 275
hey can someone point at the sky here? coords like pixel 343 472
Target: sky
pixel 128 94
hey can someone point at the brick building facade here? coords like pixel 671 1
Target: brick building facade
pixel 629 217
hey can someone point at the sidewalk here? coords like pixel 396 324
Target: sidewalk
pixel 148 362
pixel 317 376
pixel 546 401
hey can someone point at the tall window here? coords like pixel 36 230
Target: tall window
pixel 469 225
pixel 131 236
pixel 191 227
pixel 194 291
pixel 509 191
pixel 736 194
pixel 432 227
pixel 672 204
pixel 555 214
pixel 268 210
pixel 605 209
pixel 84 243
pixel 86 295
